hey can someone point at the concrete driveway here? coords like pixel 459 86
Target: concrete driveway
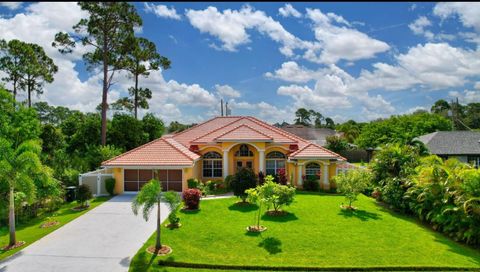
pixel 104 239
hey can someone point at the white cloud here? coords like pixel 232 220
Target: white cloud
pixel 227 91
pixel 477 85
pixel 288 10
pixel 290 71
pixel 162 11
pixel 263 110
pixel 339 42
pixel 230 26
pixel 305 97
pixel 419 25
pixel 11 5
pixel 467 96
pixel 468 12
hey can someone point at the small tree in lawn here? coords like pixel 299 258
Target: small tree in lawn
pixel 254 195
pixel 149 197
pixel 173 201
pixel 83 195
pixel 352 184
pixel 243 180
pixel 276 195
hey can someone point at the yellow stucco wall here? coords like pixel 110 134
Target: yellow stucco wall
pixel 187 174
pixel 118 175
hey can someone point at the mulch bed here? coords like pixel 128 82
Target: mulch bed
pixel 79 208
pixel 173 226
pixel 256 229
pixel 348 208
pixel 49 224
pixel 18 244
pixel 276 213
pixel 165 250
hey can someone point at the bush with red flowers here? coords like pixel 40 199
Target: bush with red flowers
pixel 191 198
pixel 282 178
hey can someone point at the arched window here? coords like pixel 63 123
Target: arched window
pixel 243 151
pixel 312 169
pixel 275 162
pixel 212 165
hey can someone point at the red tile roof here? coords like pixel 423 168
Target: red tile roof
pixel 174 149
pixel 315 151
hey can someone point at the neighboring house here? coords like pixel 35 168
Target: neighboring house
pixel 463 145
pixel 314 135
pixel 217 148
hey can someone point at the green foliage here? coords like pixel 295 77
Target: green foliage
pixel 351 130
pixel 352 183
pixel 126 132
pixel 401 129
pixel 311 183
pixel 243 180
pixel 336 144
pixel 276 195
pixel 152 126
pixel 228 181
pixel 83 195
pixel 173 201
pixel 192 183
pixel 14 58
pixel 110 186
pixel 95 155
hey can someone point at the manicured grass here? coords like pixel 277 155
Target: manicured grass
pixel 30 231
pixel 316 233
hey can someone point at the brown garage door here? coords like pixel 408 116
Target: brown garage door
pixel 136 178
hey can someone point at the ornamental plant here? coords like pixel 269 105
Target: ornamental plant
pixel 191 198
pixel 243 180
pixel 276 195
pixel 173 201
pixel 351 184
pixel 110 185
pixel 84 194
pixel 282 177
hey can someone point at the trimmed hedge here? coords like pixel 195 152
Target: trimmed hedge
pixel 300 268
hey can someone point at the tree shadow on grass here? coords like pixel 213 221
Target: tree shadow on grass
pixel 240 207
pixel 272 245
pixel 360 214
pixel 280 218
pixel 185 211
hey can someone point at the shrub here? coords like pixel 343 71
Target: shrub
pixel 352 183
pixel 311 183
pixel 282 178
pixel 211 186
pixel 243 180
pixel 173 201
pixel 275 194
pixel 228 181
pixel 261 178
pixel 110 185
pixel 192 183
pixel 191 198
pixel 83 195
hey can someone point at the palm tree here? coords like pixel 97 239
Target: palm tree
pixel 17 166
pixel 147 198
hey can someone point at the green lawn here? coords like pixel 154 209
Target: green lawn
pixel 316 233
pixel 30 231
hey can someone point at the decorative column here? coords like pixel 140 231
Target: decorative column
pixel 299 177
pixel 225 163
pixel 326 183
pixel 261 161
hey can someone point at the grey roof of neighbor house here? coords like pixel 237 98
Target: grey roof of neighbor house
pixel 314 135
pixel 452 142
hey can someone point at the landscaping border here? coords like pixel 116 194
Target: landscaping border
pixel 307 268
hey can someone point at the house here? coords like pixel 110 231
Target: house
pixel 214 149
pixel 462 145
pixel 314 135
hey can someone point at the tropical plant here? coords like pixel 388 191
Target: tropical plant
pixel 173 201
pixel 83 195
pixel 191 198
pixel 110 186
pixel 352 183
pixel 150 196
pixel 108 29
pixel 336 143
pixel 243 180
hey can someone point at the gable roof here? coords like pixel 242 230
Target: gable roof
pixel 174 150
pixel 452 142
pixel 243 133
pixel 315 151
pixel 164 151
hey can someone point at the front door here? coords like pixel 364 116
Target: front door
pixel 243 163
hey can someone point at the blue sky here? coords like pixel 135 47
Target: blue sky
pixel 356 61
